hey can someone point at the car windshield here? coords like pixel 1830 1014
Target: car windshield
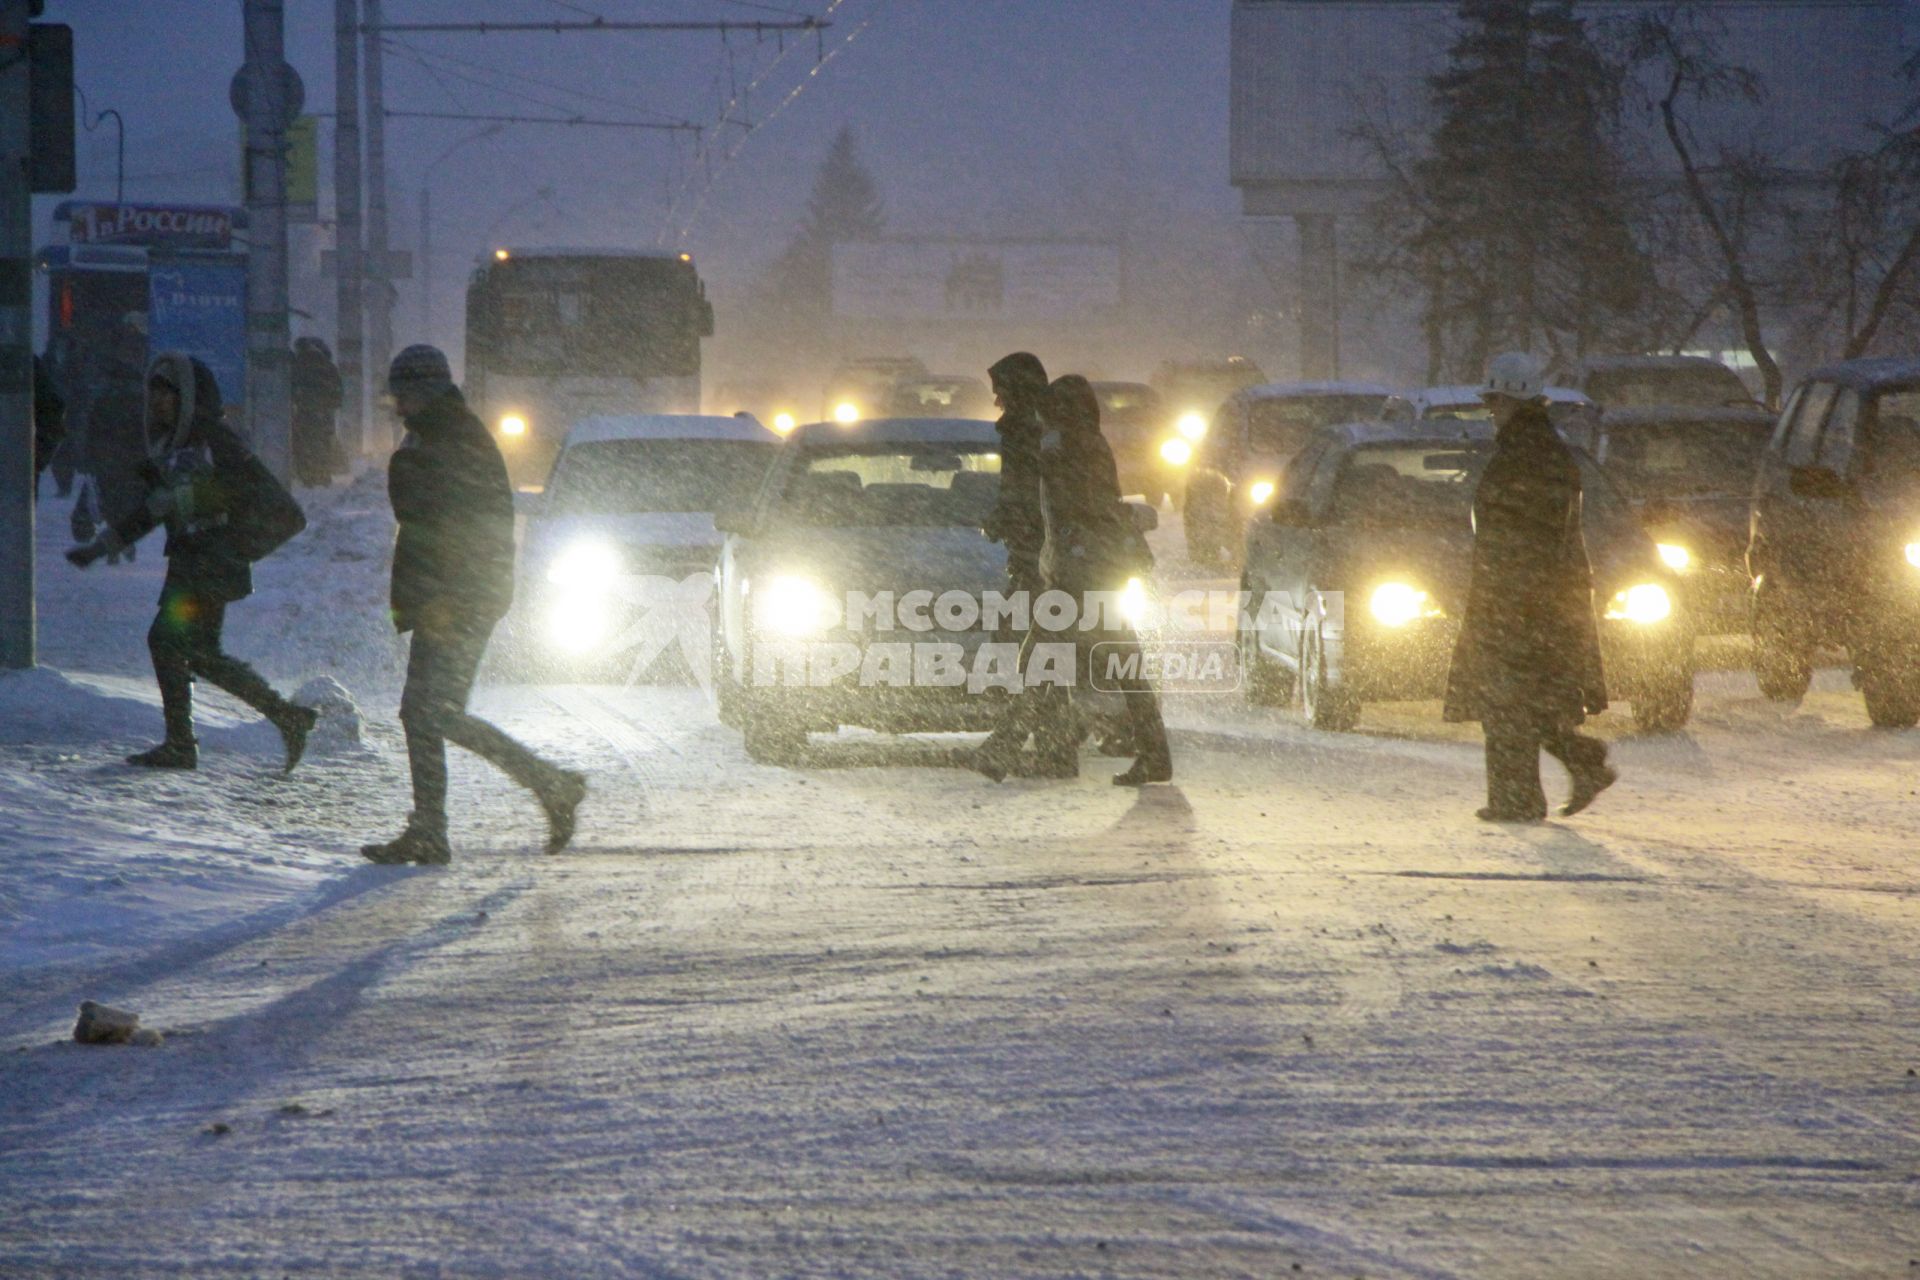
pixel 1283 424
pixel 888 485
pixel 1408 485
pixel 1698 386
pixel 1680 459
pixel 625 477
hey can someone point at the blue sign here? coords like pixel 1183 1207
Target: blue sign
pixel 200 307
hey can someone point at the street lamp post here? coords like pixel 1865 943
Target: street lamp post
pixel 92 119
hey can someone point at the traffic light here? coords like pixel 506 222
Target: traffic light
pixel 50 95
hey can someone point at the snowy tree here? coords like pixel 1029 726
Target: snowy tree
pixel 845 206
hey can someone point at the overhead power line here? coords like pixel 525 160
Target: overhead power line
pixel 580 120
pixel 598 24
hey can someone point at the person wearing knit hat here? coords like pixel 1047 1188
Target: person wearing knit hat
pixel 199 479
pixel 452 583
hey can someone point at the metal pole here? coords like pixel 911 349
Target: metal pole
pixel 349 303
pixel 269 363
pixel 425 265
pixel 16 345
pixel 378 261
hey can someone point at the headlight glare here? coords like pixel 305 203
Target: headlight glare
pixel 1913 554
pixel 513 424
pixel 1176 451
pixel 783 423
pixel 793 606
pixel 1674 556
pixel 1645 604
pixel 578 622
pixel 846 413
pixel 1260 491
pixel 1395 604
pixel 1191 424
pixel 591 566
pixel 1133 602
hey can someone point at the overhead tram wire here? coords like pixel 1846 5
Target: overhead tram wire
pixel 434 55
pixel 483 117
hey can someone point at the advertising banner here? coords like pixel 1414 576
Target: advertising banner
pixel 199 306
pixel 182 226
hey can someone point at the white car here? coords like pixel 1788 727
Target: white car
pixel 622 540
pixel 1574 415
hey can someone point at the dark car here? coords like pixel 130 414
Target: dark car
pixel 1834 536
pixel 1357 576
pixel 1235 464
pixel 1689 474
pixel 1133 418
pixel 1643 382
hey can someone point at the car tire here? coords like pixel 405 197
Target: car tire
pixel 1264 683
pixel 1892 693
pixel 1784 669
pixel 1667 705
pixel 1325 706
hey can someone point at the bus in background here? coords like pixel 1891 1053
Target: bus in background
pixel 558 335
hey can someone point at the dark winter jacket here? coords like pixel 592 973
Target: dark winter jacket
pixel 49 416
pixel 316 382
pixel 1017 521
pixel 1529 644
pixel 1091 544
pixel 193 482
pixel 453 559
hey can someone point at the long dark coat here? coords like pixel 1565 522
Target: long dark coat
pixel 453 558
pixel 1091 544
pixel 203 557
pixel 1529 644
pixel 1017 521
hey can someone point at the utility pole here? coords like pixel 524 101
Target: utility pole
pixel 378 260
pixel 346 225
pixel 16 342
pixel 265 89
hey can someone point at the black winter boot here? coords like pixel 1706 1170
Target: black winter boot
pixel 294 722
pixel 561 798
pixel 425 845
pixel 174 753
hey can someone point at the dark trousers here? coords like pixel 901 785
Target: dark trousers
pixel 1515 739
pixel 1046 711
pixel 441 667
pixel 1148 729
pixel 185 642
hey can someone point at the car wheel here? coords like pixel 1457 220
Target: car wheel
pixel 1892 692
pixel 1781 663
pixel 1325 706
pixel 1667 705
pixel 1265 683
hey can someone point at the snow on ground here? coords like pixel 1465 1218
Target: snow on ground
pixel 873 1016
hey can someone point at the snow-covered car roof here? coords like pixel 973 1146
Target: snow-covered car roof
pixel 667 426
pixel 1874 373
pixel 1469 393
pixel 1654 415
pixel 897 431
pixel 1284 390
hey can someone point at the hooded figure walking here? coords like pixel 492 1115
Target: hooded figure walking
pixel 316 402
pixel 201 482
pixel 452 583
pixel 1527 661
pixel 1089 551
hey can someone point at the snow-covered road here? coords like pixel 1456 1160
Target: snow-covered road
pixel 877 1017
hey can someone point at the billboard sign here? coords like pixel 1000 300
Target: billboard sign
pixel 199 306
pixel 978 280
pixel 173 226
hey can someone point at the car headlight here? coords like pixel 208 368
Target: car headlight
pixel 1260 491
pixel 578 621
pixel 1674 556
pixel 783 423
pixel 846 413
pixel 1191 424
pixel 513 425
pixel 1395 604
pixel 585 566
pixel 1913 554
pixel 1176 452
pixel 1133 602
pixel 1645 604
pixel 793 606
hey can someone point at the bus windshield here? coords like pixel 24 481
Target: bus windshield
pixel 592 316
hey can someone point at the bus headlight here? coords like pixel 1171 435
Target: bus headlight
pixel 1176 452
pixel 1260 491
pixel 513 424
pixel 586 567
pixel 783 423
pixel 1395 604
pixel 846 413
pixel 793 606
pixel 1675 556
pixel 1191 424
pixel 1645 604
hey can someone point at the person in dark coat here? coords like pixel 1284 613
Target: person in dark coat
pixel 452 583
pixel 316 402
pixel 198 475
pixel 1090 548
pixel 1527 664
pixel 49 421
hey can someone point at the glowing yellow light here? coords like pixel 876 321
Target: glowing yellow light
pixel 846 413
pixel 1260 492
pixel 587 567
pixel 1192 424
pixel 1133 602
pixel 1913 554
pixel 501 255
pixel 1177 452
pixel 686 257
pixel 1674 556
pixel 794 607
pixel 513 425
pixel 1645 604
pixel 783 423
pixel 1396 604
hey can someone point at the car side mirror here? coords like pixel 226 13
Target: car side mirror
pixel 1292 512
pixel 735 521
pixel 1817 482
pixel 1145 518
